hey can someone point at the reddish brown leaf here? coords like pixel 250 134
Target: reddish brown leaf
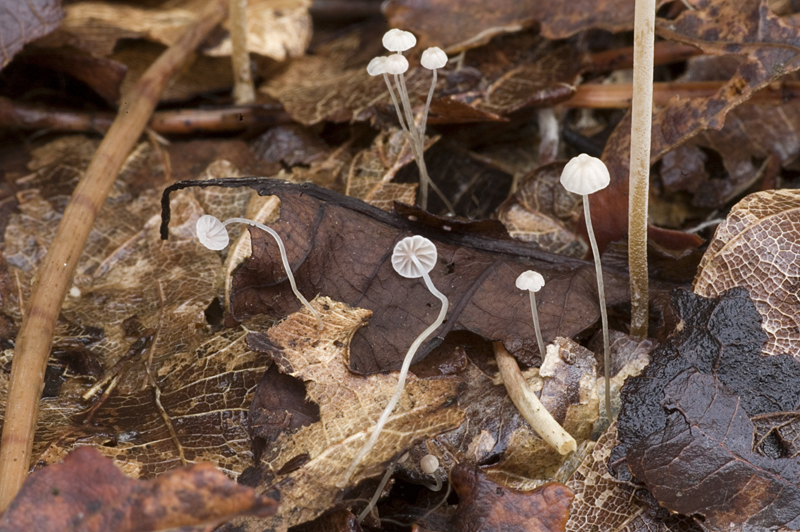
pixel 484 506
pixel 340 247
pixel 87 493
pixel 22 22
pixel 701 463
pixel 457 26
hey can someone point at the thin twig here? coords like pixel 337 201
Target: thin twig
pixel 54 275
pixel 243 90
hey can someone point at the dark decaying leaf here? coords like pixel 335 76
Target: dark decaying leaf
pixel 702 463
pixel 458 26
pixel 742 27
pixel 484 506
pixel 720 337
pixel 88 493
pixel 340 247
pixel 22 22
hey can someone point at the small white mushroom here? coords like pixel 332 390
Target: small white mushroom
pixel 430 466
pixel 413 257
pixel 585 175
pixel 433 59
pixel 533 282
pixel 396 64
pixel 213 235
pixel 377 66
pixel 396 40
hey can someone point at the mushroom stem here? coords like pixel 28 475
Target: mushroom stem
pixel 536 327
pixel 243 90
pixel 396 106
pixel 427 107
pixel 601 294
pixel 285 261
pixel 639 180
pixel 401 377
pixel 528 404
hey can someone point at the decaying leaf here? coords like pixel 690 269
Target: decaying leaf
pixel 274 30
pixel 339 247
pixel 702 463
pixel 716 337
pixel 463 25
pixel 87 493
pixel 304 454
pixel 22 22
pixel 758 247
pixel 485 506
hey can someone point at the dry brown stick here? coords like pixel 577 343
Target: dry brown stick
pixel 618 96
pixel 36 334
pixel 243 90
pixel 27 116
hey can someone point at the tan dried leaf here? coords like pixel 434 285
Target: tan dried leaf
pixel 348 407
pixel 758 247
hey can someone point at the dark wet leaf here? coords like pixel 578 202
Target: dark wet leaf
pixel 485 506
pixel 719 337
pixel 22 22
pixel 88 493
pixel 702 463
pixel 340 247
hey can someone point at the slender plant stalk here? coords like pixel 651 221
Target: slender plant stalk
pixel 534 412
pixel 639 181
pixel 36 334
pixel 601 295
pixel 243 90
pixel 535 314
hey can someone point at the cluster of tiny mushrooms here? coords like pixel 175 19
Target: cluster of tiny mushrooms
pixel 415 256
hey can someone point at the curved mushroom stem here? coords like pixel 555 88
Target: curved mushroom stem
pixel 377 495
pixel 536 327
pixel 285 261
pixel 601 294
pixel 438 485
pixel 401 377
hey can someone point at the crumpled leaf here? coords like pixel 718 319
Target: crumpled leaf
pixel 777 434
pixel 304 454
pixel 720 337
pixel 758 247
pixel 742 27
pixel 23 22
pixel 275 31
pixel 484 506
pixel 463 25
pixel 87 493
pixel 340 247
pixel 701 462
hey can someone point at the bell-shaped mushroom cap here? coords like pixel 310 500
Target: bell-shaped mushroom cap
pixel 396 40
pixel 377 66
pixel 433 58
pixel 530 280
pixel 429 464
pixel 211 233
pixel 395 64
pixel 585 174
pixel 413 246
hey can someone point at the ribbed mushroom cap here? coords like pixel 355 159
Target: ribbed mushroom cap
pixel 429 464
pixel 433 58
pixel 396 64
pixel 396 40
pixel 211 233
pixel 584 175
pixel 377 66
pixel 530 280
pixel 413 246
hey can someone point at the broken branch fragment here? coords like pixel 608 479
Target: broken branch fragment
pixel 529 405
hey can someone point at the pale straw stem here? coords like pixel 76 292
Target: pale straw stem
pixel 538 329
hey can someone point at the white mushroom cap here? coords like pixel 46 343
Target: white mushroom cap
pixel 429 464
pixel 396 40
pixel 377 66
pixel 585 174
pixel 396 64
pixel 413 246
pixel 211 233
pixel 433 58
pixel 530 280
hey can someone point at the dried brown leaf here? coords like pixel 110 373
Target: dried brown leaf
pixel 304 459
pixel 87 493
pixel 758 247
pixel 22 22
